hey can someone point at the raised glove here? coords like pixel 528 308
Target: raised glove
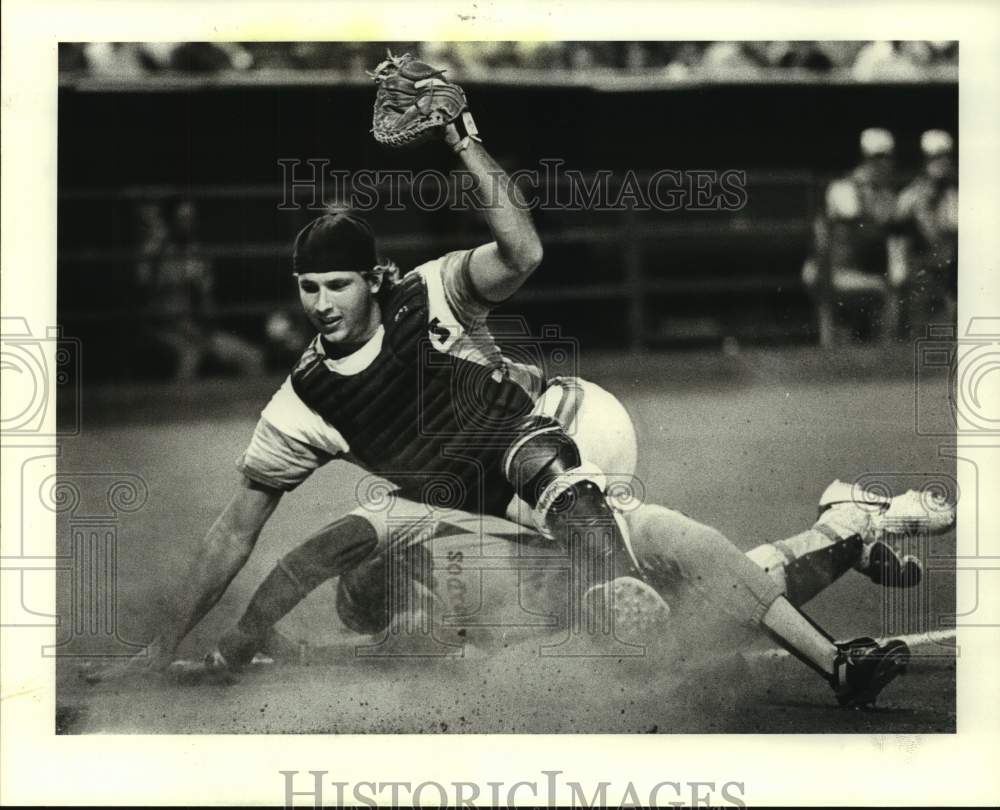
pixel 414 103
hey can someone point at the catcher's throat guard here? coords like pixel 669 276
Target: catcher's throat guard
pixel 415 103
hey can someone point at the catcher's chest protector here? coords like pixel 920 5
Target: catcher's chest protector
pixel 432 423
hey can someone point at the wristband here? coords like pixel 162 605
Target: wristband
pixel 460 132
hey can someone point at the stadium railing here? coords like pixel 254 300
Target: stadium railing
pixel 632 261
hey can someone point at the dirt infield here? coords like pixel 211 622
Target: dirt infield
pixel 512 692
pixel 750 459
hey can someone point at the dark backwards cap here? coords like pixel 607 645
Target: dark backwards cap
pixel 334 242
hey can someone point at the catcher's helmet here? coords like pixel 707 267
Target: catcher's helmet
pixel 340 241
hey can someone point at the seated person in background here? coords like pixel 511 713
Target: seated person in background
pixel 923 253
pixel 176 278
pixel 799 55
pixel 895 60
pixel 847 272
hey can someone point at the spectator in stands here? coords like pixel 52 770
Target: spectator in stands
pixel 176 278
pixel 923 256
pixel 842 52
pixel 127 60
pixel 443 55
pixel 682 59
pixel 847 272
pixel 539 55
pixel 730 60
pixel 723 60
pixel 799 55
pixel 590 55
pixel 72 57
pixel 115 60
pixel 891 61
pixel 275 55
pixel 943 52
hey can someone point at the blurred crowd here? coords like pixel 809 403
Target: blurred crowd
pixel 883 267
pixel 885 258
pixel 864 61
pixel 175 290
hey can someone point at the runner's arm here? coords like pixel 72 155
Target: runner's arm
pixel 221 556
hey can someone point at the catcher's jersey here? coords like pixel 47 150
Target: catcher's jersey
pixel 429 402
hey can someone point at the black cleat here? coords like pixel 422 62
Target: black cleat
pixel 886 566
pixel 864 667
pixel 235 651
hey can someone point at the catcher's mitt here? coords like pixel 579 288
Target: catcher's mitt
pixel 414 103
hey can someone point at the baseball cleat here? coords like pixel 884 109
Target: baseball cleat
pixel 638 613
pixel 423 618
pixel 884 524
pixel 886 565
pixel 419 607
pixel 278 648
pixel 235 650
pixel 864 667
pixel 214 660
pixel 212 670
pixel 916 511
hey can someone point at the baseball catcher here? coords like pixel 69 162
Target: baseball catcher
pixel 405 379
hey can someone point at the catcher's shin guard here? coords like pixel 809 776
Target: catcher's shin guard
pixel 884 525
pixel 809 562
pixel 567 497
